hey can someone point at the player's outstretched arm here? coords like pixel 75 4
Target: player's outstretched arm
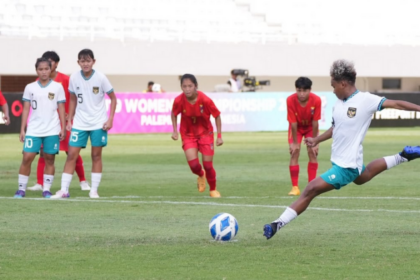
pixel 219 141
pixel 312 142
pixel 25 114
pixel 174 126
pixel 400 105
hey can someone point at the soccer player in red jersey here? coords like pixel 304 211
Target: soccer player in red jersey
pixel 64 145
pixel 5 109
pixel 303 113
pixel 197 131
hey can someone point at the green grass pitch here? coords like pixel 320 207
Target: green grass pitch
pixel 151 222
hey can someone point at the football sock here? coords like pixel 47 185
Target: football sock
pixel 65 182
pixel 294 174
pixel 210 174
pixel 23 182
pixel 48 180
pixel 196 167
pixel 288 215
pixel 96 179
pixel 80 170
pixel 312 169
pixel 394 160
pixel 40 171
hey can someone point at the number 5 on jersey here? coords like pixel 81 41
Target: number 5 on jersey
pixel 80 98
pixel 74 136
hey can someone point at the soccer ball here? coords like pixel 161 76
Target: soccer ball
pixel 223 227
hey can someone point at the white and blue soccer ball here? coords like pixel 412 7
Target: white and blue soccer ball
pixel 223 227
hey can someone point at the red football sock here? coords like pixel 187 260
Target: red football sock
pixel 312 169
pixel 210 174
pixel 294 174
pixel 40 171
pixel 80 170
pixel 196 167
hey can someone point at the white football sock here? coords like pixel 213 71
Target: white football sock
pixel 394 160
pixel 23 182
pixel 48 180
pixel 65 182
pixel 96 179
pixel 288 215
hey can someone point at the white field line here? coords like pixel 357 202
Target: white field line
pixel 214 204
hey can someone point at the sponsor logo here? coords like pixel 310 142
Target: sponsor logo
pixel 55 146
pixel 332 177
pixel 95 90
pixel 103 138
pixel 351 112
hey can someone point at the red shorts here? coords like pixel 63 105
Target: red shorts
pixel 205 145
pixel 301 132
pixel 64 145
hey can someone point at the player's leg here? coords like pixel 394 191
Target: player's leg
pixel 50 145
pixel 379 165
pixel 39 173
pixel 294 163
pixel 190 147
pixel 206 148
pixel 80 170
pixel 313 158
pixel 31 148
pixel 334 178
pixel 99 139
pixel 78 140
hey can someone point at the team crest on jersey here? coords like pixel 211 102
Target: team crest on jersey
pixel 95 90
pixel 51 96
pixel 351 112
pixel 201 108
pixel 312 110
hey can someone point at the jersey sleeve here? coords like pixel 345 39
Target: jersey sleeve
pixel 26 95
pixel 106 85
pixel 2 99
pixel 291 112
pixel 61 95
pixel 177 107
pixel 212 108
pixel 72 86
pixel 317 109
pixel 374 102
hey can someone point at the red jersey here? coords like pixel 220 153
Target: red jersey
pixel 303 116
pixel 195 118
pixel 64 81
pixel 2 99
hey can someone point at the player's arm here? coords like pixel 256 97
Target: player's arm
pixel 219 141
pixel 315 128
pixel 62 116
pixel 294 147
pixel 312 142
pixel 400 105
pixel 25 114
pixel 110 121
pixel 174 125
pixel 5 109
pixel 72 109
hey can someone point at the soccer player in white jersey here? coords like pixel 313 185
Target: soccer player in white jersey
pixel 352 114
pixel 87 88
pixel 44 96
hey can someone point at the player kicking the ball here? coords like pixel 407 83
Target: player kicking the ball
pixel 87 97
pixel 352 114
pixel 45 97
pixel 197 131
